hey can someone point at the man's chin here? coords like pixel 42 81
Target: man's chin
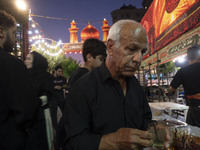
pixel 128 74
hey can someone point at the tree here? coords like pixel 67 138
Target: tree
pixel 69 65
pixel 167 67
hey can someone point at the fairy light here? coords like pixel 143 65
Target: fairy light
pixel 46 45
pixel 29 32
pixel 33 25
pixel 36 31
pixel 46 48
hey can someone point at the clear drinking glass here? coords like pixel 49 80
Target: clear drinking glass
pixel 159 132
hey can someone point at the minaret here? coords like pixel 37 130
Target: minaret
pixel 105 29
pixel 73 32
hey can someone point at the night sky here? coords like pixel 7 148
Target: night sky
pixel 82 11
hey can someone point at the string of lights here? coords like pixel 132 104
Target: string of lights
pixel 40 43
pixel 78 21
pixel 50 17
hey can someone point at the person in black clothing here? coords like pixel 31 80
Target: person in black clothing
pixel 43 85
pixel 107 108
pixel 42 80
pixel 94 53
pixel 18 105
pixel 59 81
pixel 59 91
pixel 189 77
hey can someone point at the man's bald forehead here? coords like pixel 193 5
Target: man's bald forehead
pixel 132 25
pixel 133 29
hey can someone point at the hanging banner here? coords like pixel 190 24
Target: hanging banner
pixel 166 20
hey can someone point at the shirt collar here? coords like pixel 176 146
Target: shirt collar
pixel 105 74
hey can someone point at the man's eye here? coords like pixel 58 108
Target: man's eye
pixel 144 51
pixel 130 49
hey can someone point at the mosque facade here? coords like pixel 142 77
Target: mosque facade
pixel 88 32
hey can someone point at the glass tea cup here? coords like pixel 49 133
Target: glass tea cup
pixel 159 134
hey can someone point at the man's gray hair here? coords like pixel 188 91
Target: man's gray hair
pixel 115 30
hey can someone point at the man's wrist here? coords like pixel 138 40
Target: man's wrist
pixel 108 142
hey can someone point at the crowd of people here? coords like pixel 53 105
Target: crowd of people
pixel 104 108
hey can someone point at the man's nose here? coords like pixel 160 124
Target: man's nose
pixel 137 57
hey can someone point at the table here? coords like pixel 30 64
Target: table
pixel 194 130
pixel 169 106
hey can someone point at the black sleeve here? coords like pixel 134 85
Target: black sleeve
pixel 177 80
pixel 23 103
pixel 77 118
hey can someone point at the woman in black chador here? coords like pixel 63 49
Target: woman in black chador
pixel 41 134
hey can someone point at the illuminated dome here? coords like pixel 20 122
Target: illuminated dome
pixel 89 32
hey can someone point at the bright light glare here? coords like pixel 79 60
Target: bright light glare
pixel 33 25
pixel 181 59
pixel 36 31
pixel 21 4
pixel 29 32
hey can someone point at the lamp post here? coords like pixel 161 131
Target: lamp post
pixel 23 28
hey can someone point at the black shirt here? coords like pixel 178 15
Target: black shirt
pixel 96 106
pixel 189 77
pixel 78 73
pixel 18 104
pixel 59 81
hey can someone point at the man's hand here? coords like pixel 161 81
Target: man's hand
pixel 171 89
pixel 57 87
pixel 126 139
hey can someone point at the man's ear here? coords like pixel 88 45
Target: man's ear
pixel 110 46
pixel 89 57
pixel 2 32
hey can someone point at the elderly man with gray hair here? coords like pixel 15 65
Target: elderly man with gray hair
pixel 107 108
